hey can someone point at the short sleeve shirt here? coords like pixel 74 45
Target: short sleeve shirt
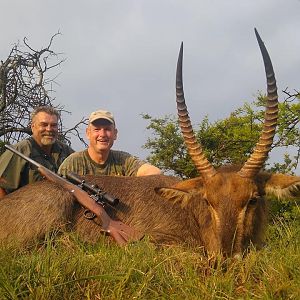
pixel 118 163
pixel 16 172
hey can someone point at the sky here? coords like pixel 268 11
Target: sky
pixel 121 55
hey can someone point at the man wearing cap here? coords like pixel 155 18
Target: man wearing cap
pixel 98 158
pixel 42 146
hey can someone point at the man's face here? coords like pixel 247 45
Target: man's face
pixel 101 135
pixel 44 128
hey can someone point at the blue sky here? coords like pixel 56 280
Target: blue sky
pixel 121 55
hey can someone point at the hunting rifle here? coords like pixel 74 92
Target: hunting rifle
pixel 119 231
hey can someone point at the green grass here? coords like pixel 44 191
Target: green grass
pixel 65 268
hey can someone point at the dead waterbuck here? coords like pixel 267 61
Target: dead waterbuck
pixel 222 210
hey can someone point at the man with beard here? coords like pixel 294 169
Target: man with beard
pixel 42 146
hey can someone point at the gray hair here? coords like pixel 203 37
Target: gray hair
pixel 46 109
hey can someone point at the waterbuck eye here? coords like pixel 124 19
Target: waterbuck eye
pixel 254 199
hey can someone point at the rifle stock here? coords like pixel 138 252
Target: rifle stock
pixel 119 231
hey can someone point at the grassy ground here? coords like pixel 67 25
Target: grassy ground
pixel 65 268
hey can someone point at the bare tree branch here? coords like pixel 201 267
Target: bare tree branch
pixel 25 85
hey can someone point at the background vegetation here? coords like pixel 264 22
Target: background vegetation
pixel 226 141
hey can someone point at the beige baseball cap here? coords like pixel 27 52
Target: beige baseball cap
pixel 101 114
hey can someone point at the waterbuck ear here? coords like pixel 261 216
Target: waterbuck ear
pixel 281 185
pixel 189 184
pixel 174 195
pixel 181 192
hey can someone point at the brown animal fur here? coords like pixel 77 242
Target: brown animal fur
pixel 224 213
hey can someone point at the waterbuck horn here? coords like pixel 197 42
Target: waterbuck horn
pixel 263 146
pixel 203 166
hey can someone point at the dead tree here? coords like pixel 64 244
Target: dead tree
pixel 24 85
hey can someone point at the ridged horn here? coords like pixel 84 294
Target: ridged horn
pixel 203 166
pixel 263 146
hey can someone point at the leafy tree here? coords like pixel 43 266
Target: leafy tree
pixel 167 147
pixel 288 132
pixel 227 141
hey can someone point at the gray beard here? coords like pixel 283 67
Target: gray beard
pixel 47 142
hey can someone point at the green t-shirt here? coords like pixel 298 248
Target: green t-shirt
pixel 118 163
pixel 16 172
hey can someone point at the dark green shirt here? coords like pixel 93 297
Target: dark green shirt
pixel 118 163
pixel 15 172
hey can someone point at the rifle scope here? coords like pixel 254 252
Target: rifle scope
pixel 93 189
